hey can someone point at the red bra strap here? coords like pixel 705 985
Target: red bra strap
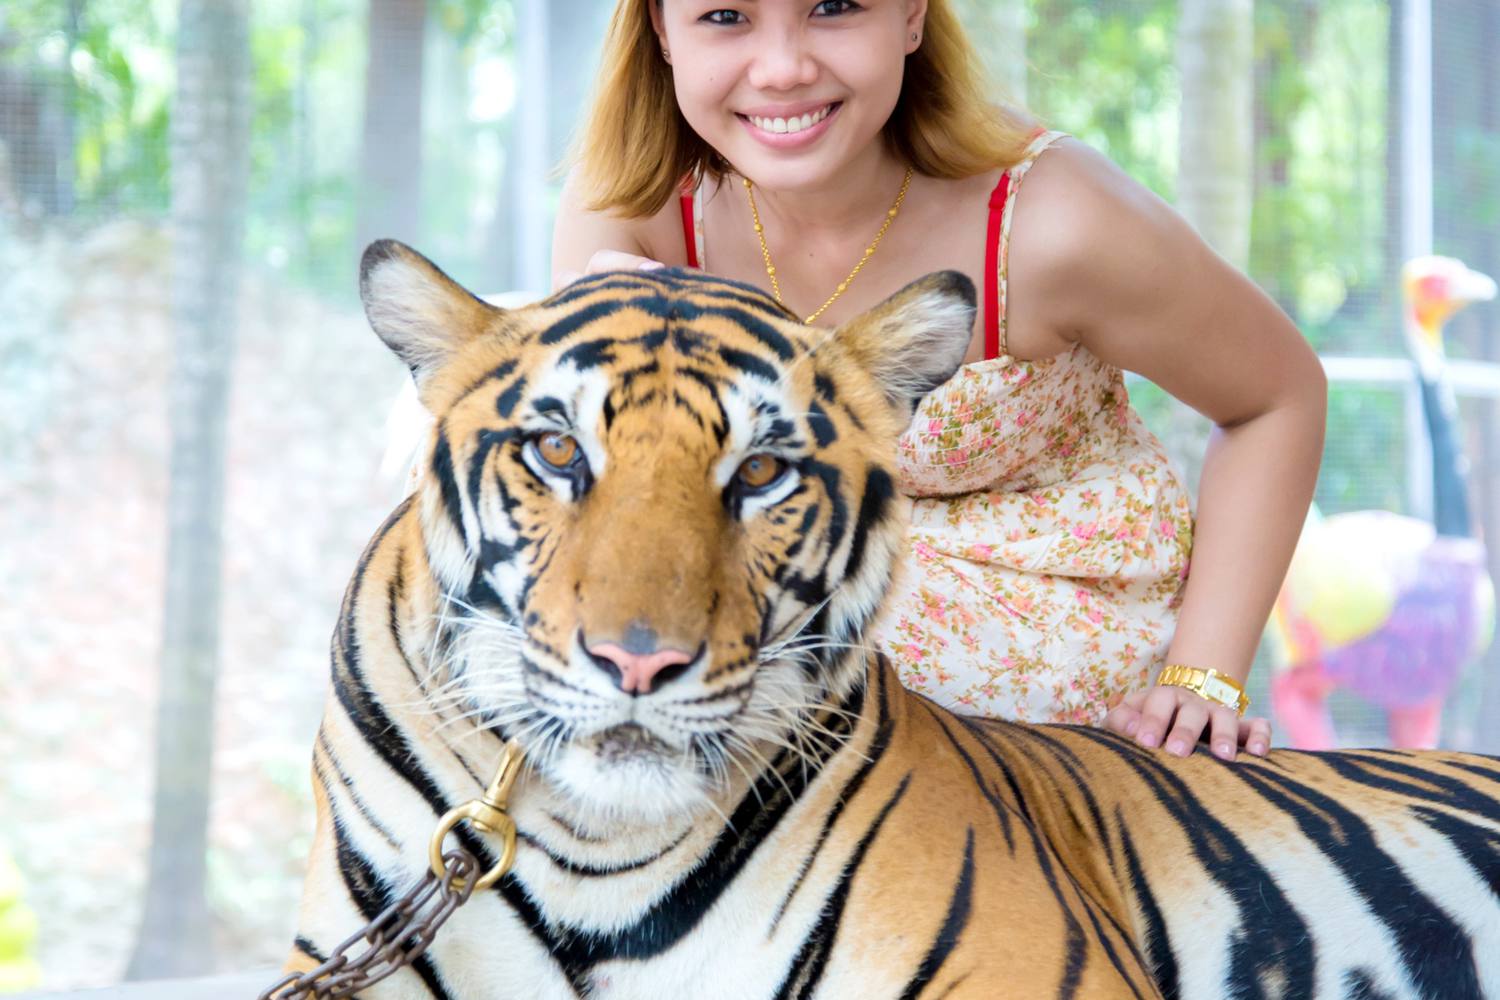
pixel 992 268
pixel 688 235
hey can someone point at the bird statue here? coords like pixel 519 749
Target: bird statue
pixel 1388 607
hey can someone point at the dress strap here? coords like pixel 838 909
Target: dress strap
pixel 998 197
pixel 692 221
pixel 997 242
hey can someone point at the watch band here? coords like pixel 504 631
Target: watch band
pixel 1221 689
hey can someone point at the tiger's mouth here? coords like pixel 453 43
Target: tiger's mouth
pixel 629 743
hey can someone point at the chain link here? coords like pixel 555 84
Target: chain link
pixel 396 938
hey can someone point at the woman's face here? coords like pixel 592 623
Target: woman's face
pixel 788 91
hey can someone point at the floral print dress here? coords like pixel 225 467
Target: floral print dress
pixel 1049 539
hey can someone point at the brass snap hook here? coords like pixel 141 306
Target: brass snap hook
pixel 489 816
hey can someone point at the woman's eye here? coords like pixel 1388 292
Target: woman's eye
pixel 557 450
pixel 830 7
pixel 759 471
pixel 723 17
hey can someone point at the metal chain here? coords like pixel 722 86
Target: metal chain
pixel 397 937
pixel 403 931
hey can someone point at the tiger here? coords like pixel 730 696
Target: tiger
pixel 655 518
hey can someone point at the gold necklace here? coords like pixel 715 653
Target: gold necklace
pixel 765 251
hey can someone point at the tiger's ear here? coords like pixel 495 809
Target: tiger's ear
pixel 423 315
pixel 915 340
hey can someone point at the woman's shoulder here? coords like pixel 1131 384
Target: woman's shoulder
pixel 1081 211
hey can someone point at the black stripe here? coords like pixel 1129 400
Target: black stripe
pixel 1275 943
pixel 812 958
pixel 309 949
pixel 505 402
pixel 597 871
pixel 749 364
pixel 879 744
pixel 1158 944
pixel 565 326
pixel 874 507
pixel 371 894
pixel 953 924
pixel 682 907
pixel 500 371
pixel 442 467
pixel 1434 950
pixel 822 427
pixel 1001 809
pixel 1445 791
pixel 1479 845
pixel 360 805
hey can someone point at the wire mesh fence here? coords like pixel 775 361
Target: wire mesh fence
pixel 441 121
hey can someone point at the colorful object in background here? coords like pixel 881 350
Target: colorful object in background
pixel 18 966
pixel 1388 607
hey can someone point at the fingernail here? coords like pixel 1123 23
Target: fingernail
pixel 1225 750
pixel 1178 747
pixel 1132 726
pixel 1150 739
pixel 1258 748
pixel 652 265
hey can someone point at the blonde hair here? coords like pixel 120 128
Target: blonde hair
pixel 636 147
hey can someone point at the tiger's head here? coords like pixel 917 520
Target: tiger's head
pixel 658 510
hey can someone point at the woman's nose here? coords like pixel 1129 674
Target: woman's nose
pixel 783 63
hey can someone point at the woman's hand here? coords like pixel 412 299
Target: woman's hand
pixel 1147 716
pixel 607 260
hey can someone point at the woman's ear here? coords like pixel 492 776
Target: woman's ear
pixel 916 20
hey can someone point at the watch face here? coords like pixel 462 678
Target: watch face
pixel 1217 690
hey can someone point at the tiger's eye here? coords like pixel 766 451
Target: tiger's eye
pixel 759 471
pixel 557 449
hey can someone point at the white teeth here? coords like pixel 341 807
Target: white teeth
pixel 783 125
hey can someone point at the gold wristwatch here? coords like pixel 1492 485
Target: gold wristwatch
pixel 1221 689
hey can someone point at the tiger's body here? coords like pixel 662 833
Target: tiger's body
pixel 655 518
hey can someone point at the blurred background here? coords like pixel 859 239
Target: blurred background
pixel 192 411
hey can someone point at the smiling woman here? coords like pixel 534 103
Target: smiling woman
pixel 832 153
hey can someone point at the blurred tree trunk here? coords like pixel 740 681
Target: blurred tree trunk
pixel 1215 164
pixel 1285 33
pixel 210 168
pixel 390 193
pixel 998 29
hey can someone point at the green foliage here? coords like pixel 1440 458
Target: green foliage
pixel 1106 73
pixel 1318 230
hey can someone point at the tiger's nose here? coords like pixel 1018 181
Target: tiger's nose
pixel 639 673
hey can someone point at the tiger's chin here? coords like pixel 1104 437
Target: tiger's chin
pixel 626 774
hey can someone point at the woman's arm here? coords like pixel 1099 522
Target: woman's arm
pixel 585 241
pixel 1107 263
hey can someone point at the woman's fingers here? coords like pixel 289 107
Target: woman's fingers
pixel 1192 717
pixel 1224 729
pixel 1159 709
pixel 616 260
pixel 1125 718
pixel 1255 735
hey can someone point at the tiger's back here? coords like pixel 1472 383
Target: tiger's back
pixel 655 518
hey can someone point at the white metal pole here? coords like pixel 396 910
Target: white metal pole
pixel 1416 211
pixel 533 239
